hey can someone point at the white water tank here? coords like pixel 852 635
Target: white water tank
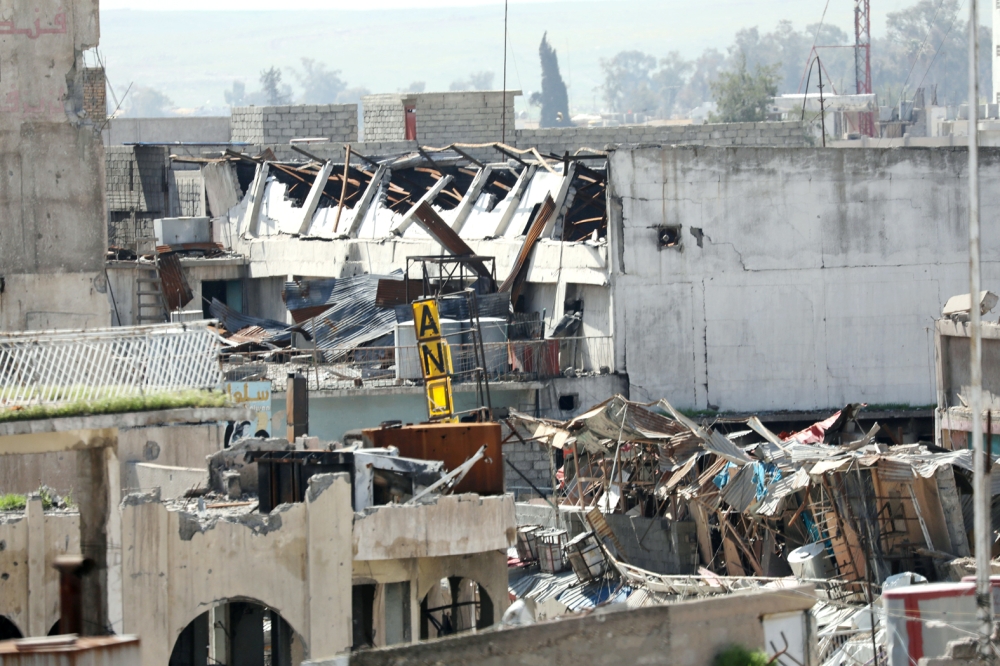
pixel 810 561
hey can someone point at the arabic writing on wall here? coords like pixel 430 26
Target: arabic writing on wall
pixel 58 27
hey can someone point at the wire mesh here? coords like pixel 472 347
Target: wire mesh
pixel 52 367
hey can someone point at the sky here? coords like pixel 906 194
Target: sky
pixel 193 50
pixel 255 5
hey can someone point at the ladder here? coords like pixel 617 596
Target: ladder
pixel 150 304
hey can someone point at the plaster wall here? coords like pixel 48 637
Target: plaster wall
pixel 561 140
pixel 52 235
pixel 200 129
pixel 29 584
pixel 805 278
pixel 687 633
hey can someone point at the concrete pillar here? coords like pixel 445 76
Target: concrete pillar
pixel 218 635
pixel 116 609
pixel 36 567
pixel 94 512
pixel 330 554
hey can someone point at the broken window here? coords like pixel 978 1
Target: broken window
pixel 363 616
pixel 397 612
pixel 668 236
pixel 587 213
pixel 453 606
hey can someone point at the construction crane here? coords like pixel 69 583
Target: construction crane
pixel 863 60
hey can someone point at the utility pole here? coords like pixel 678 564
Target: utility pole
pixel 981 478
pixel 503 113
pixel 863 61
pixel 822 107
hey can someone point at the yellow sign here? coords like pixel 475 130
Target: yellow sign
pixel 435 360
pixel 426 321
pixel 439 404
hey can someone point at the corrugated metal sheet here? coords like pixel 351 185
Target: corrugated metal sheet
pixel 322 294
pixel 894 470
pixel 175 285
pixel 351 319
pixel 233 321
pixel 490 305
pixel 619 418
pixel 740 492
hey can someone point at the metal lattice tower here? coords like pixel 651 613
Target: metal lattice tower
pixel 863 60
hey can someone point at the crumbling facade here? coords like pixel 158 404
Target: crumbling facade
pixel 52 228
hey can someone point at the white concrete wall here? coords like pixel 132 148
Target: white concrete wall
pixel 817 281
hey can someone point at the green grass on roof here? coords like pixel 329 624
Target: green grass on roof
pixel 119 405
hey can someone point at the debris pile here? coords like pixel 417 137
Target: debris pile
pixel 844 506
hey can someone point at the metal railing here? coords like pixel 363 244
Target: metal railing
pixel 52 367
pixel 375 367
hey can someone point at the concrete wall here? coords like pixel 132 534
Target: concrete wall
pixel 52 220
pixel 298 562
pixel 279 124
pixel 29 584
pixel 176 568
pixel 687 633
pixel 571 139
pixel 805 278
pixel 180 445
pixel 198 129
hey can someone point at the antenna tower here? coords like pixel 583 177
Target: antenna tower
pixel 863 60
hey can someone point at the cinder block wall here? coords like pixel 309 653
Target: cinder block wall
pixel 560 140
pixel 442 118
pixel 279 124
pixel 532 460
pixel 137 190
pixel 384 117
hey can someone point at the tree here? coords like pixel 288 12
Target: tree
pixel 926 45
pixel 319 85
pixel 668 82
pixel 147 102
pixel 698 89
pixel 627 84
pixel 476 81
pixel 553 98
pixel 742 96
pixel 275 92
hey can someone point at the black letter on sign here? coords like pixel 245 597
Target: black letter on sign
pixel 427 323
pixel 428 358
